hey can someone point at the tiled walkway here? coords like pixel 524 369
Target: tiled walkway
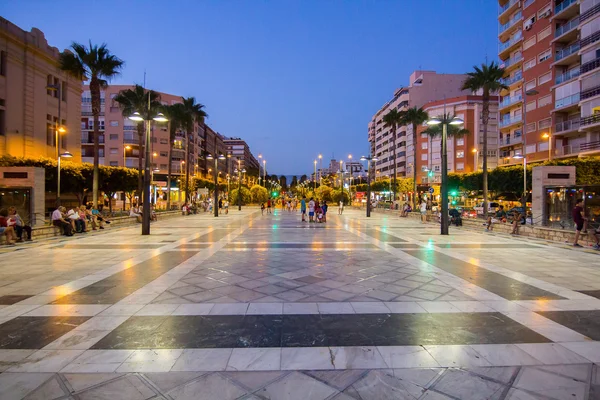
pixel 267 307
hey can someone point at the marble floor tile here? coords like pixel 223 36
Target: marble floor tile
pixel 551 385
pixel 208 387
pixel 457 356
pixel 407 357
pixel 193 309
pixel 306 358
pixel 46 361
pixel 380 386
pixel 438 307
pixel 335 308
pixel 505 355
pixel 588 350
pixel 404 307
pixel 357 358
pixel 157 309
pixel 158 360
pixel 203 360
pixel 461 385
pixel 77 340
pixel 128 387
pixel 300 308
pixel 552 353
pixel 121 310
pixel 229 309
pixel 265 309
pixel 297 386
pixel 18 385
pixel 101 323
pixel 255 359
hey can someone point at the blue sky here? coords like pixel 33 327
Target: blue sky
pixel 295 78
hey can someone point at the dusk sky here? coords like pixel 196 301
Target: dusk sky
pixel 292 78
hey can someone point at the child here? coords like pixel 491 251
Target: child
pixel 325 207
pixel 262 208
pixel 319 213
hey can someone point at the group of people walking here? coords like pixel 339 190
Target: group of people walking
pixel 317 211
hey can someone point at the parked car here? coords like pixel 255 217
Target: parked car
pixel 469 213
pixel 491 207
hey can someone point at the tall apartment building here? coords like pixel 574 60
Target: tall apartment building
pixel 550 52
pixel 239 150
pixel 214 143
pixel 29 111
pixel 465 153
pixel 423 87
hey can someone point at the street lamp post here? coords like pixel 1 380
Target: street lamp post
pixel 315 179
pixel 216 181
pixel 549 137
pixel 66 154
pixel 444 187
pixel 368 160
pixel 264 172
pixel 125 154
pixel 320 168
pixel 476 160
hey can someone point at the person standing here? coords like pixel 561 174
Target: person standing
pixel 423 209
pixel 226 206
pixel 269 206
pixel 324 207
pixel 579 219
pixel 311 210
pixel 220 205
pixel 303 208
pixel 341 207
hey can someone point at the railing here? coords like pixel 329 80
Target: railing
pixel 527 3
pixel 559 8
pixel 130 128
pixel 572 24
pixel 578 148
pixel 590 146
pixel 590 65
pixel 513 40
pixel 507 101
pixel 593 38
pixel 131 140
pixel 510 23
pixel 571 125
pixel 90 140
pixel 509 140
pixel 515 78
pixel 566 101
pixel 567 51
pixel 590 13
pixel 508 5
pixel 586 94
pixel 510 121
pixel 567 76
pixel 512 61
pixel 591 119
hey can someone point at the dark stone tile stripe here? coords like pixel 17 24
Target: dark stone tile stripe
pixel 316 330
pixel 382 236
pixel 35 332
pixel 501 285
pixel 120 285
pixel 13 298
pixel 593 293
pixel 309 246
pixel 585 322
pixel 114 246
pixel 213 236
pixel 486 246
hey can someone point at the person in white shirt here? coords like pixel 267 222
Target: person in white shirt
pixel 341 207
pixel 58 220
pixel 133 212
pixel 311 210
pixel 423 209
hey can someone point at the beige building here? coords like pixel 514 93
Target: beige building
pixel 29 111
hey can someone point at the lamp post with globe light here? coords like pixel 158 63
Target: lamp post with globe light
pixel 368 160
pixel 216 158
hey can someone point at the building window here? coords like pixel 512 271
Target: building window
pixel 544 78
pixel 423 157
pixel 164 153
pixel 544 101
pixel 460 142
pixel 164 141
pixel 528 43
pixel 63 91
pixel 424 145
pixel 545 123
pixel 113 150
pixel 114 123
pixel 545 33
pixel 63 137
pixel 2 122
pixel 529 64
pixel 530 106
pixel 114 163
pixel 544 12
pixel 544 56
pixel 49 130
pixel 49 82
pixel 3 60
pixel 530 127
pixel 113 136
pixel 460 166
pixel 460 154
pixel 531 148
pixel 423 136
pixel 163 166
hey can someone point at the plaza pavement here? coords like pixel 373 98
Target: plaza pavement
pixel 246 306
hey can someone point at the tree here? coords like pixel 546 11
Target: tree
pixel 176 115
pixel 98 66
pixel 246 196
pixel 488 79
pixel 259 194
pixel 414 117
pixel 323 193
pixel 434 131
pixel 116 179
pixel 392 119
pixel 294 182
pixel 193 114
pixel 336 196
pixel 283 182
pixel 147 103
pixel 303 178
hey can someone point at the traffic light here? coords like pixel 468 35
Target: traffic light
pixel 274 194
pixel 430 174
pixel 453 202
pixel 454 193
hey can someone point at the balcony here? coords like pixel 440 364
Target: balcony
pixel 590 13
pixel 130 128
pixel 567 76
pixel 131 140
pixel 510 141
pixel 506 122
pixel 566 126
pixel 508 45
pixel 593 38
pixel 505 10
pixel 578 148
pixel 565 9
pixel 591 92
pixel 510 101
pixel 590 66
pixel 513 79
pixel 590 121
pixel 567 32
pixel 512 62
pixel 567 55
pixel 505 28
pixel 85 139
pixel 567 101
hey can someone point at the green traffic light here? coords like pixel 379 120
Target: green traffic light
pixel 430 173
pixel 454 193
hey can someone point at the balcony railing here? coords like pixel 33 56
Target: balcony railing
pixel 589 120
pixel 566 126
pixel 507 101
pixel 572 24
pixel 510 23
pixel 510 121
pixel 507 6
pixel 578 148
pixel 590 13
pixel 595 145
pixel 563 5
pixel 593 38
pixel 509 140
pixel 568 75
pixel 590 65
pixel 574 48
pixel 512 61
pixel 566 101
pixel 591 92
pixel 513 40
pixel 515 78
pixel 527 3
pixel 85 139
pixel 130 128
pixel 132 140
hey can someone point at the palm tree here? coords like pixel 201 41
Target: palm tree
pixel 391 120
pixel 487 79
pixel 193 114
pixel 414 116
pixel 98 66
pixel 136 100
pixel 176 115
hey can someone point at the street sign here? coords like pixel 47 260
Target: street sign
pixel 203 191
pixel 431 190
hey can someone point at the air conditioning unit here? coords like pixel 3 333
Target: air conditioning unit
pixel 546 14
pixel 528 27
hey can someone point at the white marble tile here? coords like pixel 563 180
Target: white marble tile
pixel 17 386
pixel 16 310
pixel 552 353
pixel 500 355
pixel 300 308
pixel 363 357
pixel 202 360
pixel 46 361
pixel 90 368
pixel 121 310
pixel 255 359
pixel 457 356
pixel 77 340
pixel 265 309
pixel 229 309
pixel 407 357
pixel 138 299
pixel 438 307
pixel 370 307
pixel 550 385
pixel 101 323
pixel 14 355
pixel 306 358
pixel 404 307
pixel 297 386
pixel 587 349
pixel 471 306
pixel 335 308
pixel 103 357
pixel 504 306
pixel 156 360
pixel 158 309
pixel 193 309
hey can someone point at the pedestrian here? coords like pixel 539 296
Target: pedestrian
pixel 423 209
pixel 324 207
pixel 220 205
pixel 579 219
pixel 341 207
pixel 597 237
pixel 269 206
pixel 303 208
pixel 516 222
pixel 17 222
pixel 226 206
pixel 58 219
pixel 262 208
pixel 311 210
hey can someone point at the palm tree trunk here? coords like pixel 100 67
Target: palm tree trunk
pixel 140 131
pixel 485 113
pixel 414 129
pixel 95 92
pixel 395 168
pixel 169 169
pixel 187 164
